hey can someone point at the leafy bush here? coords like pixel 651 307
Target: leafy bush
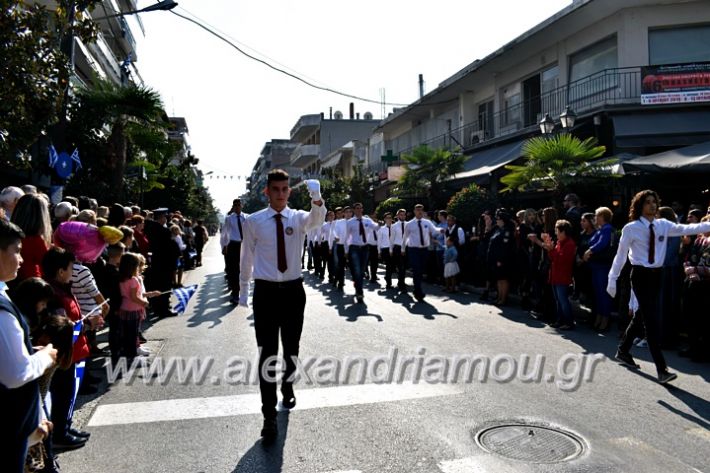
pixel 468 204
pixel 392 205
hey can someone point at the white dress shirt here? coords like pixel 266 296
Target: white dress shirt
pixel 259 254
pixel 314 235
pixel 339 231
pixel 352 231
pixel 230 229
pixel 634 243
pixel 384 237
pixel 412 237
pixel 17 366
pixel 398 233
pixel 373 238
pixel 326 234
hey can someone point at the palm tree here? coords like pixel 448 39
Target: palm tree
pixel 107 115
pixel 557 162
pixel 428 170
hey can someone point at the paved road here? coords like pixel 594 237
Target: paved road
pixel 623 420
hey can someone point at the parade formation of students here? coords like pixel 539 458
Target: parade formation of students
pixel 69 270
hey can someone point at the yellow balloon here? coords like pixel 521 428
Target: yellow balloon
pixel 111 235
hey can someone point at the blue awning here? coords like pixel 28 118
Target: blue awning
pixel 488 160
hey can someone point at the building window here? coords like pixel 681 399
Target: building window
pixel 679 45
pixel 510 98
pixel 593 59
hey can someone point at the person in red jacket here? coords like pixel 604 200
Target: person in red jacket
pixel 57 266
pixel 562 256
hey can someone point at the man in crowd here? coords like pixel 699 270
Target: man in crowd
pixel 231 240
pixel 417 237
pixel 163 261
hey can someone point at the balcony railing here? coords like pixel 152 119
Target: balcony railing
pixel 304 153
pixel 607 87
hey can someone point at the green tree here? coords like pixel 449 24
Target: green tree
pixel 113 125
pixel 427 171
pixel 557 162
pixel 391 205
pixel 468 204
pixel 34 72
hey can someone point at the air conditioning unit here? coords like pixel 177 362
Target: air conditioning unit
pixel 477 136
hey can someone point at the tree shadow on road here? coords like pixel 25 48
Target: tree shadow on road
pixel 266 458
pixel 212 303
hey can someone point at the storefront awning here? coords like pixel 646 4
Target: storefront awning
pixel 694 158
pixel 643 130
pixel 487 161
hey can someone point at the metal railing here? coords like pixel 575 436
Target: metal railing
pixel 607 87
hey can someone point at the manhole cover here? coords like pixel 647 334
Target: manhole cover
pixel 530 443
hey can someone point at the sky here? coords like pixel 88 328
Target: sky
pixel 233 104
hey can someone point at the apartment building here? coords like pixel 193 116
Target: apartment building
pixel 316 137
pixel 606 60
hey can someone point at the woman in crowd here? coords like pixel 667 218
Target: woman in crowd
pixel 599 255
pixel 562 256
pixel 482 238
pixel 177 238
pixel 583 289
pixel 32 216
pixel 697 286
pixel 8 200
pixel 501 254
pixel 530 255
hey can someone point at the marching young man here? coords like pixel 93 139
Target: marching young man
pixel 417 236
pixel 644 240
pixel 271 253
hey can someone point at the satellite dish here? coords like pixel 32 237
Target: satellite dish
pixel 338 115
pixel 367 116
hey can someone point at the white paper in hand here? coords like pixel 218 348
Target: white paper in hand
pixel 313 188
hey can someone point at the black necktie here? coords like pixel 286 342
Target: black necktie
pixel 421 232
pixel 374 234
pixel 239 224
pixel 280 244
pixel 651 245
pixel 362 231
pixel 390 231
pixel 402 232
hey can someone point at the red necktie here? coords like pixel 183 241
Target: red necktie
pixel 280 244
pixel 651 245
pixel 362 231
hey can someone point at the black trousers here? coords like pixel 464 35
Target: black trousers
pixel 388 261
pixel 646 283
pixel 159 279
pixel 278 308
pixel 62 389
pixel 373 261
pixel 328 261
pixel 400 262
pixel 318 261
pixel 340 262
pixel 234 249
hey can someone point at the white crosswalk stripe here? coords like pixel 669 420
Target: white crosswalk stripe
pixel 244 404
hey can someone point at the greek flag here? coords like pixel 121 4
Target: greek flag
pixel 78 371
pixel 183 295
pixel 53 156
pixel 75 158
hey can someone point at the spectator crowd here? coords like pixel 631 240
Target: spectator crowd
pixel 67 271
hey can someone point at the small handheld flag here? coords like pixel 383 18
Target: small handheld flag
pixel 183 294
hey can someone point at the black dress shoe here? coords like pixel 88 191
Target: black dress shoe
pixel 68 442
pixel 79 433
pixel 289 400
pixel 87 389
pixel 269 431
pixel 626 359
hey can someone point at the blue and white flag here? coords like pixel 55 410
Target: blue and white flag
pixel 53 156
pixel 75 158
pixel 78 371
pixel 183 294
pixel 77 330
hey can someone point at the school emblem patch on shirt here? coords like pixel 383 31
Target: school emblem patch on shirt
pixel 661 238
pixel 289 231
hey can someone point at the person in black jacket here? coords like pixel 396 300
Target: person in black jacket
pixel 163 261
pixel 501 254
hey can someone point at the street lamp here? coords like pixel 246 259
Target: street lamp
pixel 547 125
pixel 160 6
pixel 568 118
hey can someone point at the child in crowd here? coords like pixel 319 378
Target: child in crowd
pixel 109 284
pixel 134 300
pixel 451 267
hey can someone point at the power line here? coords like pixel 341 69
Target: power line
pixel 308 83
